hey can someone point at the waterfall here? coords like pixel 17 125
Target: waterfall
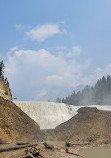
pixel 49 114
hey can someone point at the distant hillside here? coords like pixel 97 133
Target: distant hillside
pixel 90 124
pixel 15 124
pixel 100 94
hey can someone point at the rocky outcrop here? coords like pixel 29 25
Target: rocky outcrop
pixel 5 90
pixel 87 109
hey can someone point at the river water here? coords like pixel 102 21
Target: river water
pixel 97 152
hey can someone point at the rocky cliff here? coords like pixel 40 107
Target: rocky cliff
pixel 5 90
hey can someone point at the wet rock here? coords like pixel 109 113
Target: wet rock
pixel 87 109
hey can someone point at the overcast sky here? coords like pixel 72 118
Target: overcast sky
pixel 52 46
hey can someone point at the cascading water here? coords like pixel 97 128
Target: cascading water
pixel 49 114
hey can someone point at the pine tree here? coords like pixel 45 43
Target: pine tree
pixel 100 94
pixel 2 67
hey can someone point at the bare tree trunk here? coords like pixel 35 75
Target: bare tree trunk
pixel 16 147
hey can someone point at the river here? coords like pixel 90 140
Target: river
pixel 97 152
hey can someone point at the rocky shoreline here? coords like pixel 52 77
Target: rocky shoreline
pixel 27 150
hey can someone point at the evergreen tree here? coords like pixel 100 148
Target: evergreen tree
pixel 58 100
pixel 2 67
pixel 100 94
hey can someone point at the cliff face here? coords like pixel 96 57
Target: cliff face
pixel 5 90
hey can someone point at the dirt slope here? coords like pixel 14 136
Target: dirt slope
pixel 89 124
pixel 15 124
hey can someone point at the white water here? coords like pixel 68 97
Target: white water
pixel 49 114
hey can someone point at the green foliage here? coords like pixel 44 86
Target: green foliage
pixel 6 81
pixel 58 100
pixel 100 94
pixel 2 67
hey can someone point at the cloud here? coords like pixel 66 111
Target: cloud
pixel 54 79
pixel 42 93
pixel 41 75
pixel 18 26
pixel 76 50
pixel 42 32
pixel 97 74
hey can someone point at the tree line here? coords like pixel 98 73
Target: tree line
pixel 99 94
pixel 2 67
